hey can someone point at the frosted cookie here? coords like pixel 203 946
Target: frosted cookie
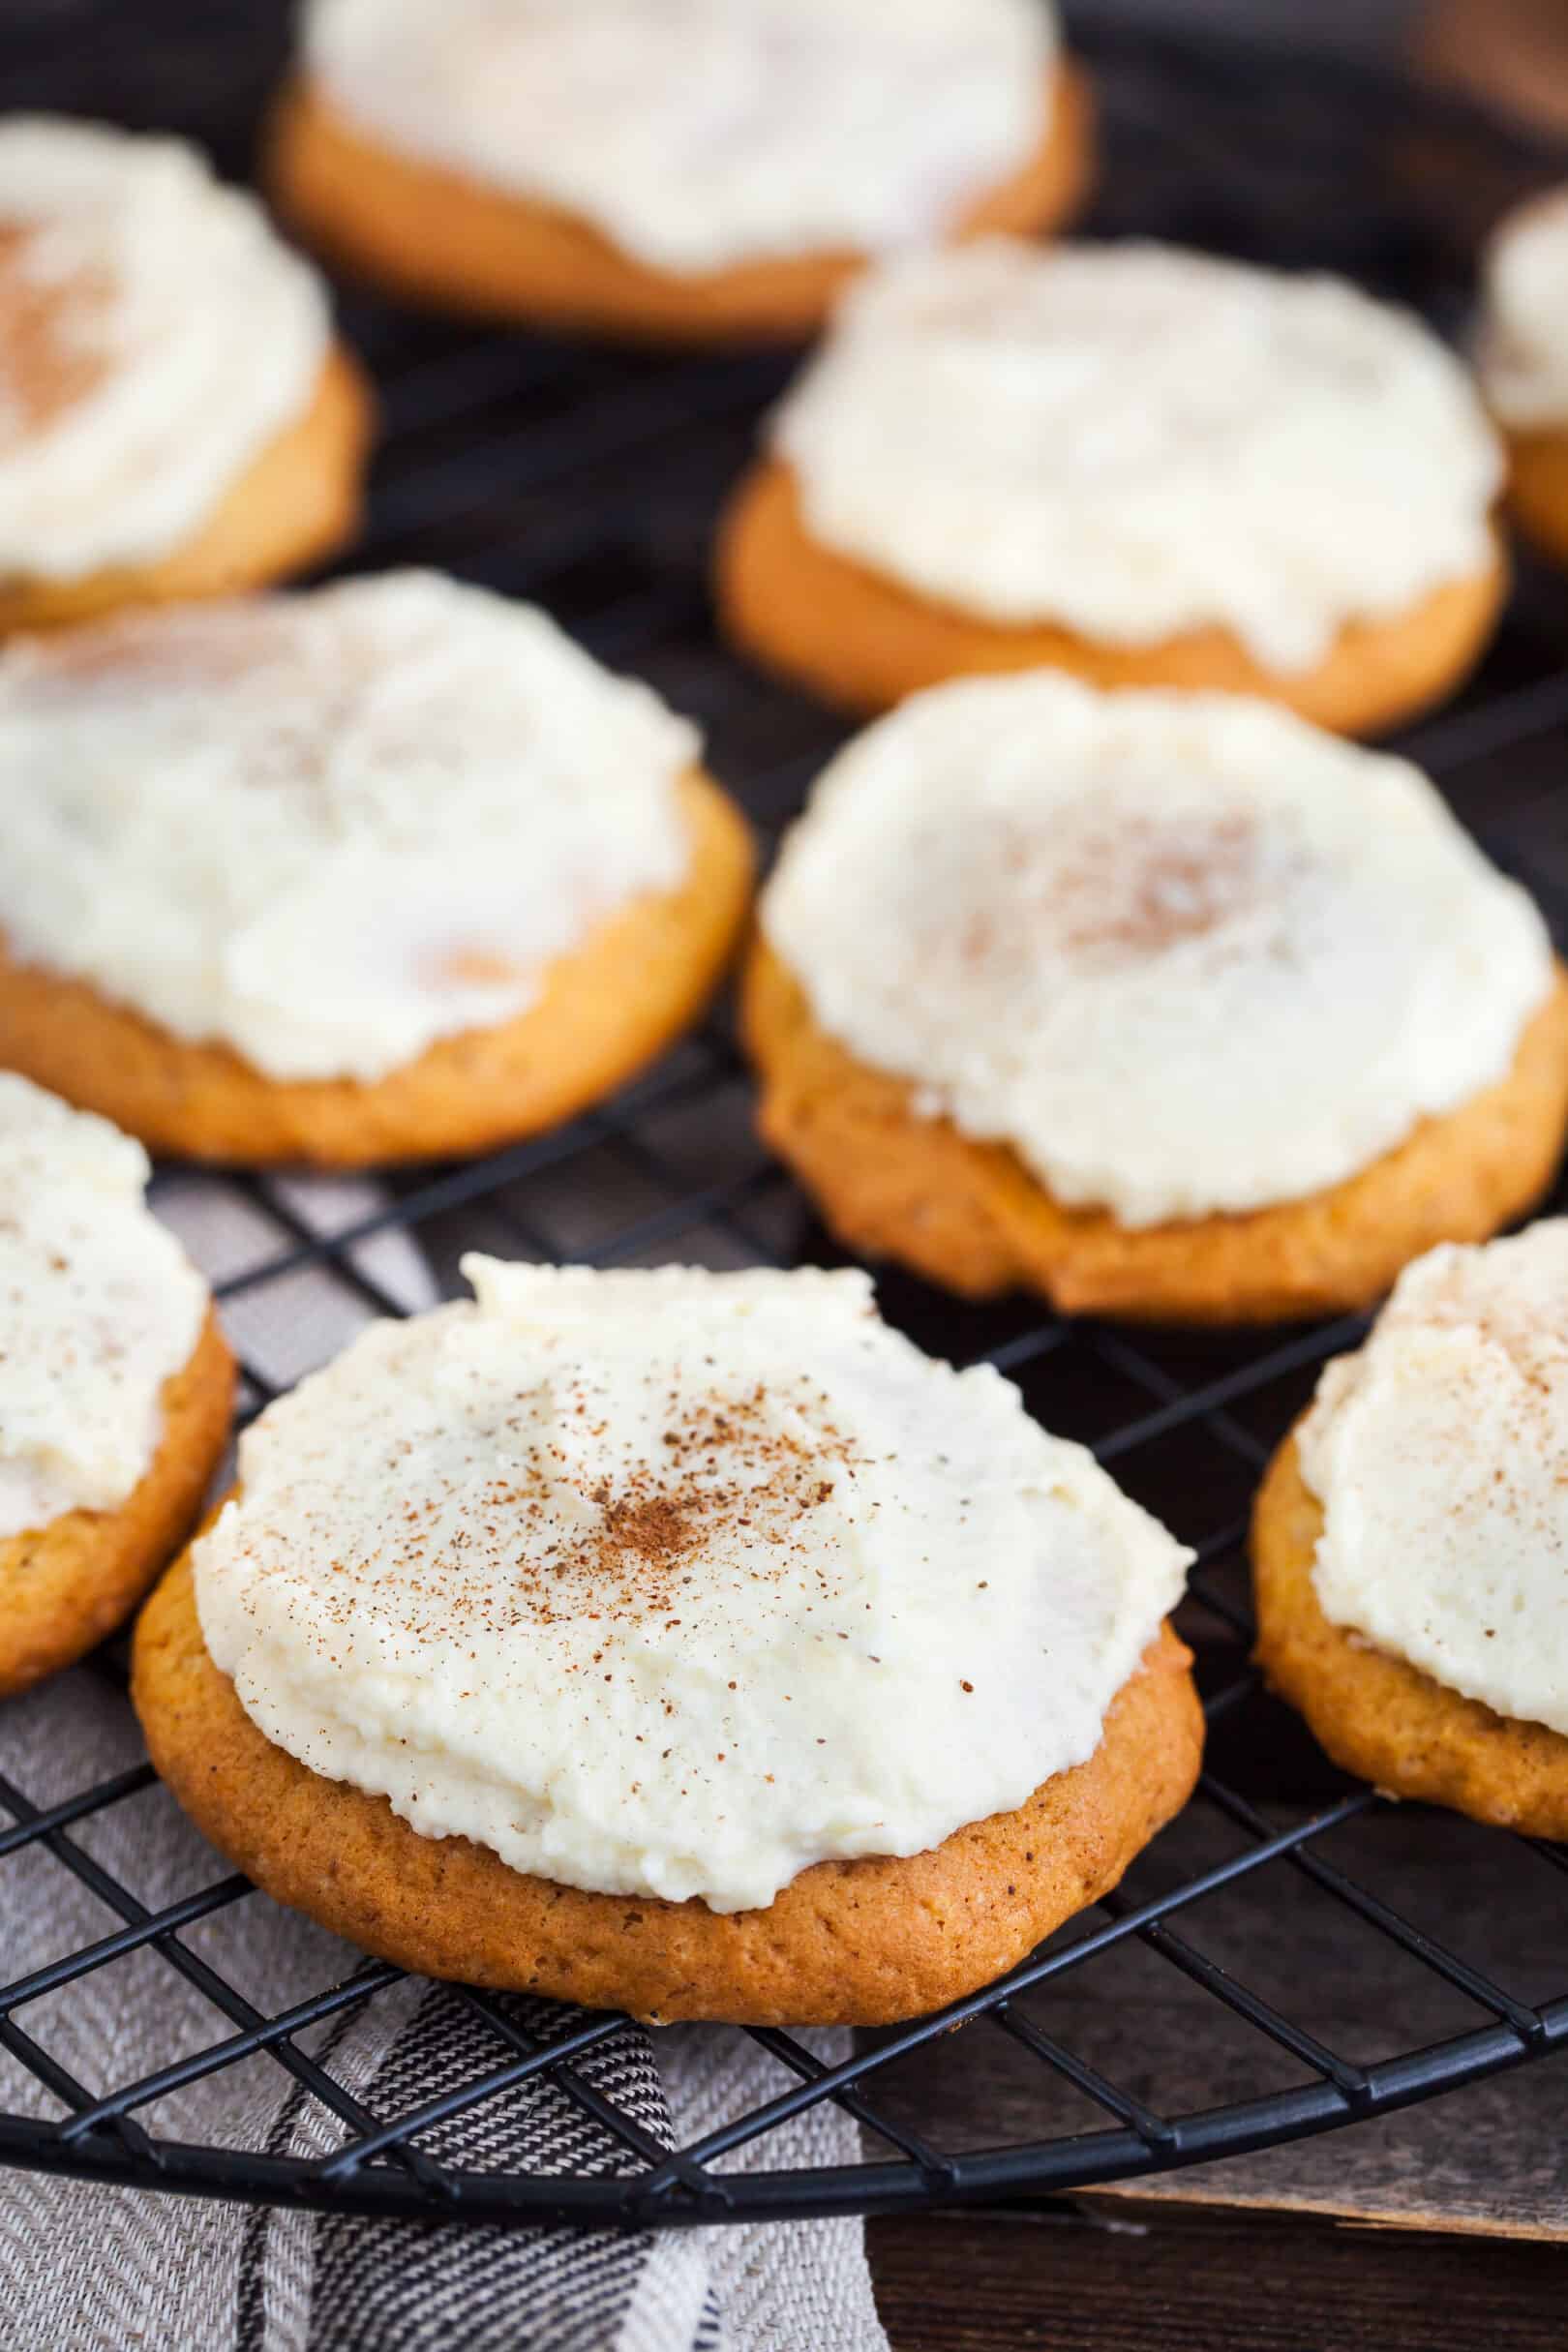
pixel 384 871
pixel 681 1642
pixel 115 1385
pixel 1163 1005
pixel 175 419
pixel 702 170
pixel 1524 362
pixel 1139 465
pixel 1409 1540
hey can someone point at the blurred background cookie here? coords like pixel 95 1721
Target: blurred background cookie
pixel 715 169
pixel 384 871
pixel 1523 350
pixel 175 417
pixel 1145 465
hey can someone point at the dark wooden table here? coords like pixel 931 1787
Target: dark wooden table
pixel 1184 2281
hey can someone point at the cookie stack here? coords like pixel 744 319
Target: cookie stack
pixel 686 1641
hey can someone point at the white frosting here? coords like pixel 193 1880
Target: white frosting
pixel 1133 442
pixel 698 133
pixel 1185 953
pixel 328 829
pixel 98 1306
pixel 1524 342
pixel 153 336
pixel 1440 1454
pixel 673 1583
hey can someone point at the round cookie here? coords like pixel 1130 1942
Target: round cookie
pixel 712 171
pixel 893 1182
pixel 1524 362
pixel 1408 1538
pixel 857 1942
pixel 434 236
pixel 602 1012
pixel 67 1586
pixel 895 1170
pixel 861 641
pixel 1142 466
pixel 602 994
pixel 180 422
pixel 1538 489
pixel 115 1384
pixel 623 1637
pixel 298 503
pixel 1376 1715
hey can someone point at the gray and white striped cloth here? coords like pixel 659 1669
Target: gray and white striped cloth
pixel 86 2269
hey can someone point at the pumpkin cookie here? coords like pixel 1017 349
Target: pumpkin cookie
pixel 668 1697
pixel 1138 465
pixel 386 871
pixel 1165 1006
pixel 115 1385
pixel 741 164
pixel 1407 1543
pixel 1523 360
pixel 175 421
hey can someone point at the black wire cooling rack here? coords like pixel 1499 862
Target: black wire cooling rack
pixel 590 480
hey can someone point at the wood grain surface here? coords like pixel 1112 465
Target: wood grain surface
pixel 1492 2157
pixel 1208 2283
pixel 1432 2229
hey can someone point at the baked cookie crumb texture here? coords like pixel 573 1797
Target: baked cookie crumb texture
pixel 681 1714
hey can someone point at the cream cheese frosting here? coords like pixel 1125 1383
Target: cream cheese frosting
pixel 701 133
pixel 1184 953
pixel 672 1582
pixel 1440 1454
pixel 1523 340
pixel 1134 442
pixel 327 829
pixel 99 1307
pixel 155 336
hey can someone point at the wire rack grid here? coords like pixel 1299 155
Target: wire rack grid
pixel 590 481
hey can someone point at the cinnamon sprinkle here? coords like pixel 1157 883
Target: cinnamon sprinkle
pixel 728 1481
pixel 1128 893
pixel 48 358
